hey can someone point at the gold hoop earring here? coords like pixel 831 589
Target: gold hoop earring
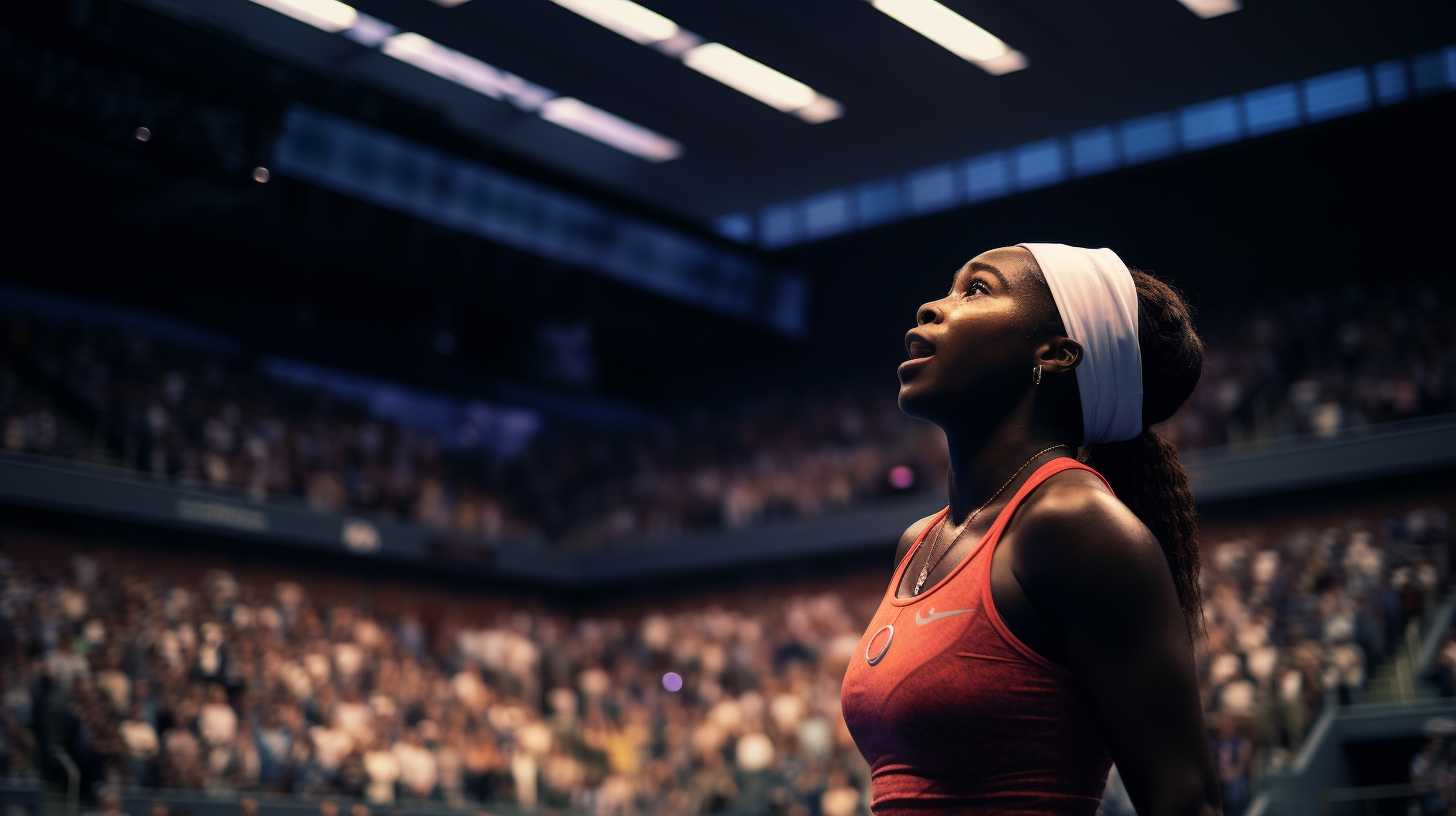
pixel 1036 375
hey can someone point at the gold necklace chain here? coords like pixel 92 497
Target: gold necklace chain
pixel 926 567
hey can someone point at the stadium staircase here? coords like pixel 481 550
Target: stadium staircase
pixel 1398 679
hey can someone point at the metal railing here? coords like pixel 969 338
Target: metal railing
pixel 1368 800
pixel 73 781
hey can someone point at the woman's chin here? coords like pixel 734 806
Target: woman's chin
pixel 912 400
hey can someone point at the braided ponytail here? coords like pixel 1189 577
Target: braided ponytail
pixel 1148 477
pixel 1145 471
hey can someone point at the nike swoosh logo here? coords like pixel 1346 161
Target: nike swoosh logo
pixel 923 618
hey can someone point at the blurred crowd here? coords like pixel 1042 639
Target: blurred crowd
pixel 1319 363
pixel 728 705
pixel 1299 614
pixel 216 421
pixel 1443 673
pixel 1329 361
pixel 1433 773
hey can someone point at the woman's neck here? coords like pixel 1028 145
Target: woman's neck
pixel 980 464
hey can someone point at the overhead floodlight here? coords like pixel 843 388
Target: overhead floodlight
pixel 641 25
pixel 738 71
pixel 1212 8
pixel 481 77
pixel 678 44
pixel 1004 64
pixel 451 3
pixel 328 15
pixel 370 31
pixel 604 127
pixel 749 76
pixel 822 109
pixel 954 33
pixel 447 63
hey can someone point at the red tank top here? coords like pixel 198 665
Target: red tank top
pixel 955 714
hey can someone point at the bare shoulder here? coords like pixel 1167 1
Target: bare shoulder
pixel 1076 531
pixel 911 533
pixel 1097 574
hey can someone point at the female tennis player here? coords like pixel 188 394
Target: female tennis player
pixel 1040 627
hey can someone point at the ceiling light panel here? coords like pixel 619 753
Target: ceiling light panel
pixel 327 15
pixel 447 63
pixel 481 77
pixel 749 76
pixel 604 127
pixel 636 23
pixel 1212 8
pixel 738 71
pixel 955 34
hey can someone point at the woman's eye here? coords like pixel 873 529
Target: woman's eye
pixel 971 287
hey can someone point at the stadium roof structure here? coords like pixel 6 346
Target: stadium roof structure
pixel 719 112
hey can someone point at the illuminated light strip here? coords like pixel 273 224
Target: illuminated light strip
pixel 955 34
pixel 1212 8
pixel 467 71
pixel 749 76
pixel 641 25
pixel 1099 149
pixel 447 63
pixel 604 127
pixel 327 15
pixel 715 60
pixel 369 32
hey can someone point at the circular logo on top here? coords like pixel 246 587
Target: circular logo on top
pixel 880 654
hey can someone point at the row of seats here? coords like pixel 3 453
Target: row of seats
pixel 192 671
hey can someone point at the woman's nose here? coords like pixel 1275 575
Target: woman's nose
pixel 926 314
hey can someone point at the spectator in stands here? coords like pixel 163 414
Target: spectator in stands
pixel 1234 753
pixel 201 419
pixel 1433 774
pixel 1443 671
pixel 230 685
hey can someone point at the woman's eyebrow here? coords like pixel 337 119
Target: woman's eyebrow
pixel 979 266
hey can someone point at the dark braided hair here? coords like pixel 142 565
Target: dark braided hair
pixel 1145 471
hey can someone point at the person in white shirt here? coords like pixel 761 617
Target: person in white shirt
pixel 383 768
pixel 217 722
pixel 418 770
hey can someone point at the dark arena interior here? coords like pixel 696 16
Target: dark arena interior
pixel 490 407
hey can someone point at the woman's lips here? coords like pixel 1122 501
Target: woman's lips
pixel 912 364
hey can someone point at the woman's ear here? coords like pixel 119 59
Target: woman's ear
pixel 1059 355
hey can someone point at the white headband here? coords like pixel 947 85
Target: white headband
pixel 1097 300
